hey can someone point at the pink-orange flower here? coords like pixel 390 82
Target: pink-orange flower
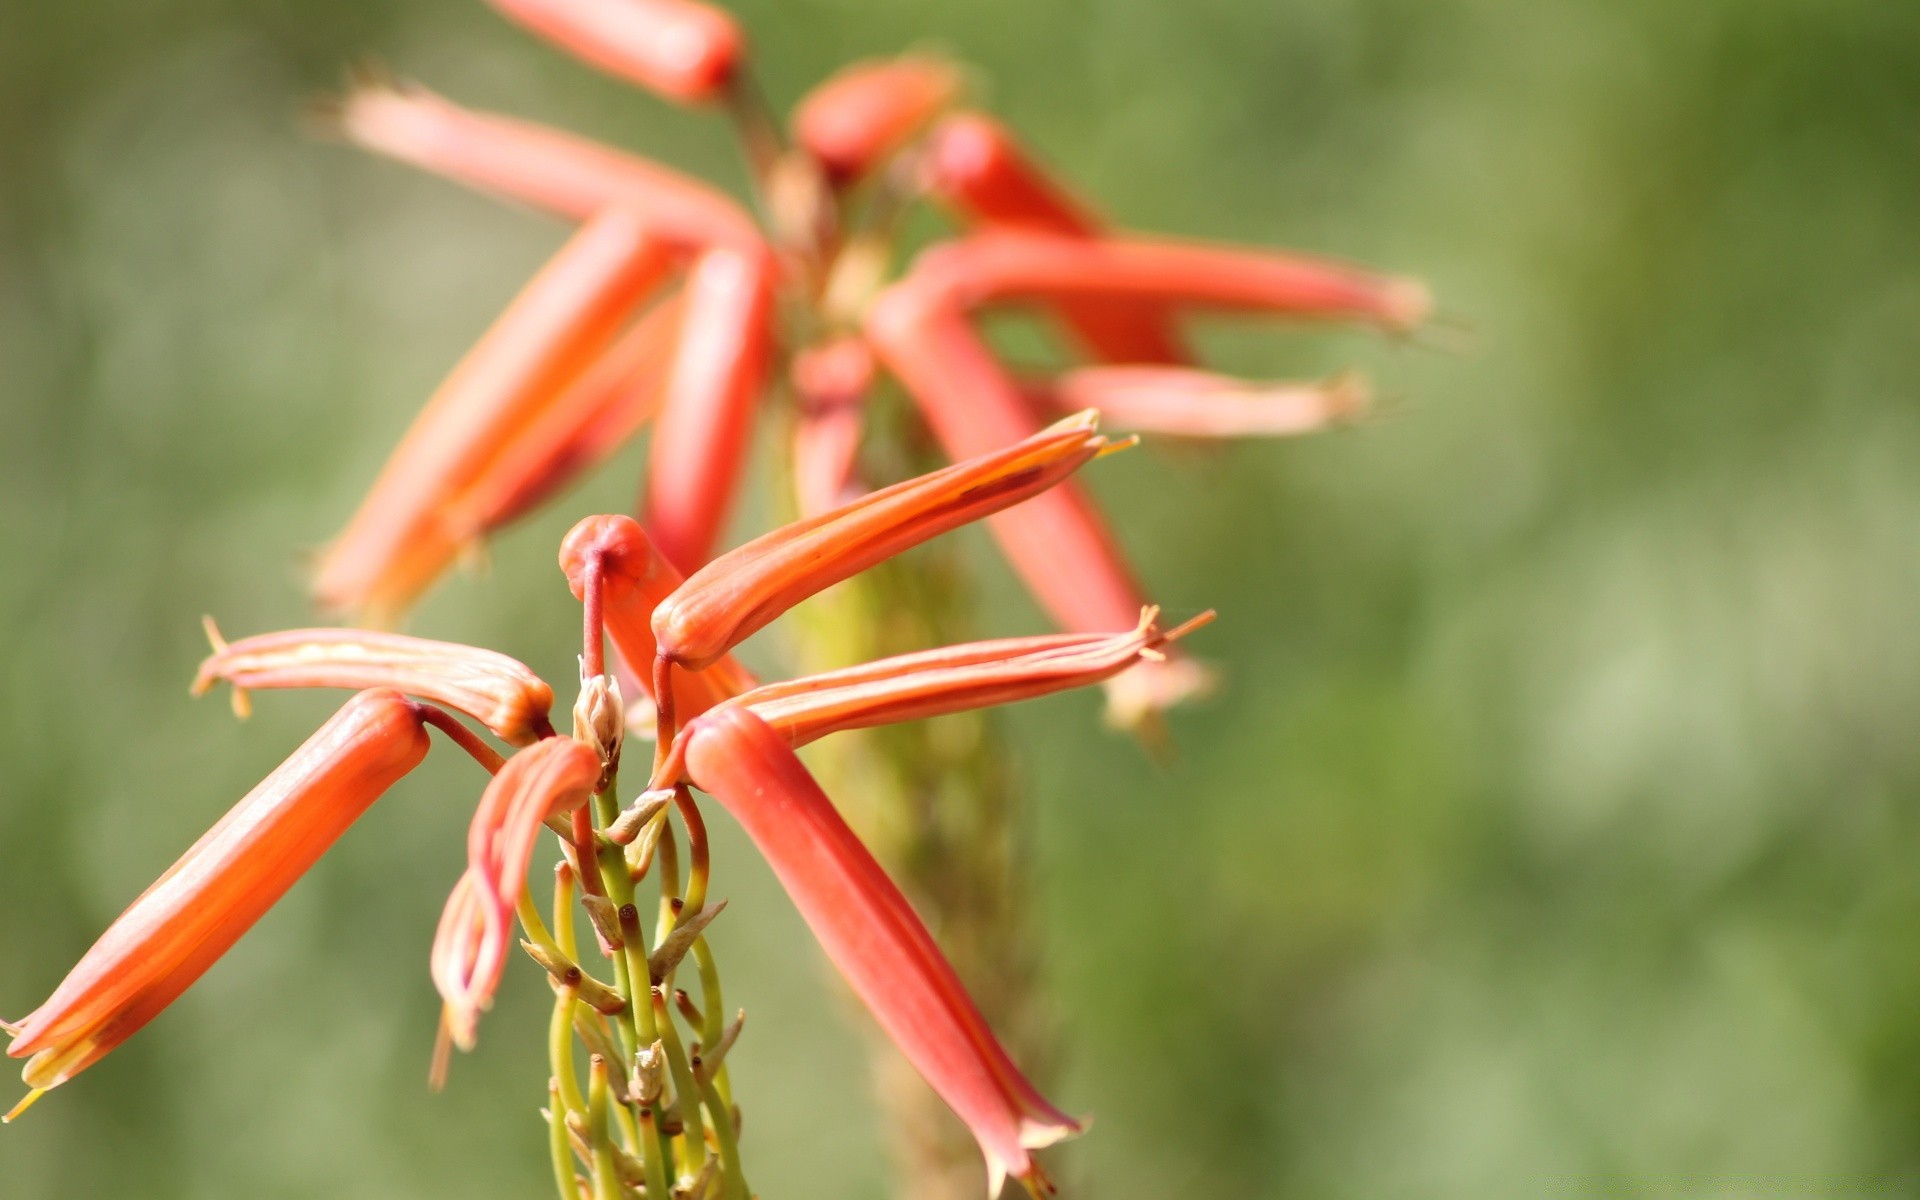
pixel 1189 403
pixel 684 50
pixel 536 165
pixel 976 166
pixel 497 691
pixel 612 567
pixel 873 937
pixel 177 928
pixel 402 539
pixel 470 950
pixel 738 593
pixel 856 118
pixel 700 443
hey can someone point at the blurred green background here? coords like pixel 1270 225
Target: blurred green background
pixel 1557 830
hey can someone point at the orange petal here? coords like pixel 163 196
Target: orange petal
pixel 549 169
pixel 399 541
pixel 743 590
pixel 204 903
pixel 867 110
pixel 871 934
pixel 706 419
pixel 497 691
pixel 683 50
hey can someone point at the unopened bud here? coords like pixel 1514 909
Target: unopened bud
pixel 649 1075
pixel 599 718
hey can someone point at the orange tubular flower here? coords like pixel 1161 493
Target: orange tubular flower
pixel 998 267
pixel 1190 403
pixel 951 679
pixel 203 904
pixel 683 50
pixel 400 541
pixel 867 110
pixel 596 415
pixel 830 386
pixel 1057 542
pixel 495 690
pixel 706 419
pixel 470 950
pixel 974 164
pixel 875 940
pixel 614 555
pixel 741 591
pixel 537 165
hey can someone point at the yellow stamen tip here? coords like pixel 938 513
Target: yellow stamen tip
pixel 25 1104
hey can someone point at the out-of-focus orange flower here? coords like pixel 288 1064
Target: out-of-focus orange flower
pixel 862 113
pixel 401 540
pixel 977 167
pixel 1190 403
pixel 204 903
pixel 684 50
pixel 536 165
pixel 706 420
pixel 873 937
pixel 831 382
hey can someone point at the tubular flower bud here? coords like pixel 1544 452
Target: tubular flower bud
pixel 874 938
pixel 400 541
pixel 1190 403
pixel 178 927
pixel 596 415
pixel 951 679
pixel 975 165
pixel 497 691
pixel 830 384
pixel 685 51
pixel 867 110
pixel 741 591
pixel 706 419
pixel 633 580
pixel 997 267
pixel 549 169
pixel 1057 543
pixel 470 950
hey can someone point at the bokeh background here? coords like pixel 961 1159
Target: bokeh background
pixel 1558 831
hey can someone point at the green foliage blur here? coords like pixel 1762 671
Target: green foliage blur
pixel 1555 832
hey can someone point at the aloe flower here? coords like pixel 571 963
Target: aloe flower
pixel 194 913
pixel 873 937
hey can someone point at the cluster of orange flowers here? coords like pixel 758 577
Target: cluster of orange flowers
pixel 672 306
